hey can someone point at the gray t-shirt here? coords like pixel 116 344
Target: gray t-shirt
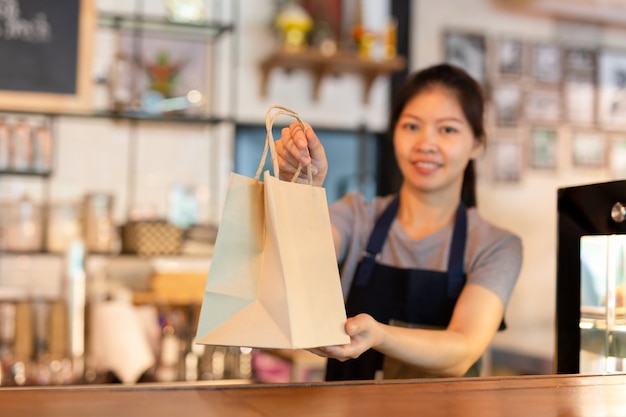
pixel 493 256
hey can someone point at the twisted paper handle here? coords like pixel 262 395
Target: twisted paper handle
pixel 271 145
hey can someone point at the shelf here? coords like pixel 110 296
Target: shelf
pixel 324 65
pixel 38 253
pixel 161 25
pixel 4 172
pixel 595 336
pixel 171 118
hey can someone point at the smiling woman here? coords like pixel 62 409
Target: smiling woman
pixel 425 278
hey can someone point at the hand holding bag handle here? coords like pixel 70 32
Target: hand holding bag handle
pixel 269 142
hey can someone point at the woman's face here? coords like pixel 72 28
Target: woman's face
pixel 433 142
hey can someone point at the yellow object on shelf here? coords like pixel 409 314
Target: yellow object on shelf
pixel 294 23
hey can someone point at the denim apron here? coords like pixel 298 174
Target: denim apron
pixel 403 297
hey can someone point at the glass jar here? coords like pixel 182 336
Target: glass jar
pixel 21 147
pixel 63 226
pixel 98 226
pixel 22 231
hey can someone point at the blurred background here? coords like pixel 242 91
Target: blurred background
pixel 121 121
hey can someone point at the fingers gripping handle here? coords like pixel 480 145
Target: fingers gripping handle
pixel 271 145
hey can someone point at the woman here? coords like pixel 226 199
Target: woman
pixel 426 278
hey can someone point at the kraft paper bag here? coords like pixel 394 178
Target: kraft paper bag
pixel 274 279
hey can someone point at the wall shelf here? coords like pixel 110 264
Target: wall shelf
pixel 159 24
pixel 138 116
pixel 320 66
pixel 14 173
pixel 172 118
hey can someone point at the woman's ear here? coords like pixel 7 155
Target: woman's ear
pixel 478 149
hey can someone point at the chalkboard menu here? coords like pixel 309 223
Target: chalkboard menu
pixel 44 53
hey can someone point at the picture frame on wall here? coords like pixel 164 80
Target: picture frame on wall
pixel 507 104
pixel 159 78
pixel 467 50
pixel 547 63
pixel 579 86
pixel 506 159
pixel 589 149
pixel 543 147
pixel 579 61
pixel 543 105
pixel 579 100
pixel 612 89
pixel 509 57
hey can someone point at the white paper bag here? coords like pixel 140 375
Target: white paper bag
pixel 274 279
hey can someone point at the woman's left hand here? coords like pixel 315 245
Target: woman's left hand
pixel 365 333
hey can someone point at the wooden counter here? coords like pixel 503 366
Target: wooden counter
pixel 554 395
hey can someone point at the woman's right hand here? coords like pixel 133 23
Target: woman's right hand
pixel 365 333
pixel 296 147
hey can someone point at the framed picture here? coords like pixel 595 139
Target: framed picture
pixel 589 149
pixel 617 161
pixel 161 78
pixel 507 103
pixel 543 147
pixel 50 65
pixel 468 51
pixel 579 100
pixel 612 89
pixel 579 61
pixel 506 158
pixel 547 66
pixel 543 105
pixel 509 57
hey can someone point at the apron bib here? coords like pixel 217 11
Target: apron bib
pixel 403 297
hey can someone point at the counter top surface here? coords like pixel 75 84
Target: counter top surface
pixel 544 395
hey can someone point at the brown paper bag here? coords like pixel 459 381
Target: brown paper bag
pixel 273 281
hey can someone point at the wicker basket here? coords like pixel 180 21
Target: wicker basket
pixel 157 237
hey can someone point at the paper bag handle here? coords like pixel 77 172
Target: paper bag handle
pixel 269 142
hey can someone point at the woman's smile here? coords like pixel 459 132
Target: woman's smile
pixel 427 167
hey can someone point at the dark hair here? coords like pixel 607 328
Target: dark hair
pixel 470 97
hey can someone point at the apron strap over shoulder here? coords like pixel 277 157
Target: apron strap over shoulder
pixel 456 267
pixel 376 241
